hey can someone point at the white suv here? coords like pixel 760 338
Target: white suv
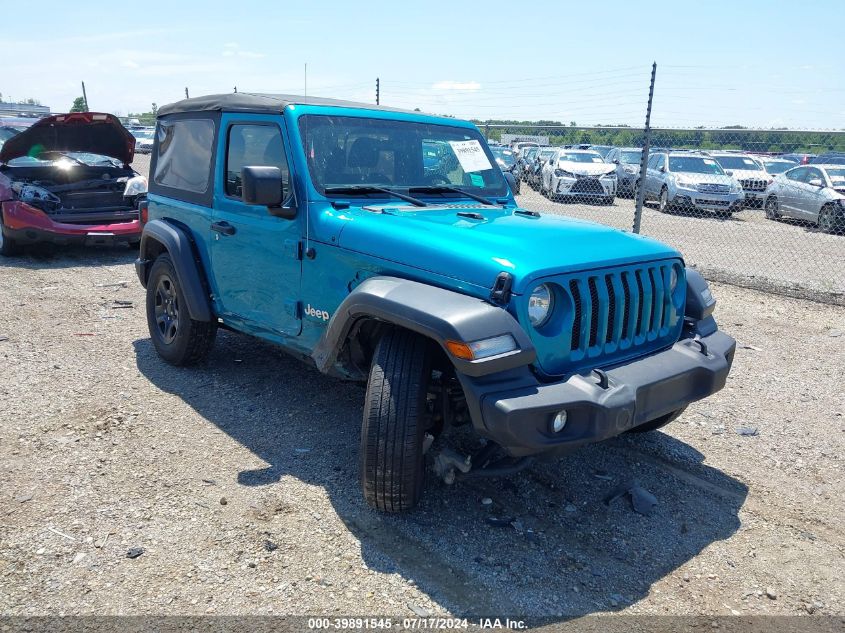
pixel 691 181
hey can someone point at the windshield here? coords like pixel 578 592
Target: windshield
pixel 353 151
pixel 143 133
pixel 581 157
pixel 837 177
pixel 503 155
pixel 738 162
pixel 530 153
pixel 778 166
pixel 630 157
pixel 695 165
pixel 65 160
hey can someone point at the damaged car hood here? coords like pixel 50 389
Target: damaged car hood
pixel 92 132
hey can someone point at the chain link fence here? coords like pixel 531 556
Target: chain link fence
pixel 758 208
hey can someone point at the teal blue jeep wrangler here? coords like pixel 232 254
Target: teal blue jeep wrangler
pixel 385 246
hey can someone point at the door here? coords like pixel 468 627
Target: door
pixel 653 176
pixel 255 256
pixel 812 197
pixel 791 191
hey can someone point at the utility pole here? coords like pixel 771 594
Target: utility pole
pixel 377 90
pixel 187 96
pixel 638 209
pixel 85 98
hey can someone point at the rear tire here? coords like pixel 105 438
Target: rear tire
pixel 657 423
pixel 663 203
pixel 395 419
pixel 178 339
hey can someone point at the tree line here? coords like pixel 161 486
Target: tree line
pixel 732 137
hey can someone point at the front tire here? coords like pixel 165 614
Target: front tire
pixel 178 339
pixel 830 221
pixel 395 419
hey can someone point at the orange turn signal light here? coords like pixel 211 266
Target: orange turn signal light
pixel 459 350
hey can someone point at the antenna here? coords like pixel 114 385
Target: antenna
pixel 187 96
pixel 377 90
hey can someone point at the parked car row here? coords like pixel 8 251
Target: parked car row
pixel 717 182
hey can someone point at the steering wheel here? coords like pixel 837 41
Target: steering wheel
pixel 437 179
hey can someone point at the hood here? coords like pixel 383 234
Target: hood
pixel 438 240
pixel 586 169
pixel 704 179
pixel 749 174
pixel 93 132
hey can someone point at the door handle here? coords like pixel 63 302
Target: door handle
pixel 223 227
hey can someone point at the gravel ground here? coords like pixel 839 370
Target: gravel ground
pixel 787 256
pixel 238 481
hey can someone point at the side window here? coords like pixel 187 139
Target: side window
pixel 184 154
pixel 798 175
pixel 254 145
pixel 814 174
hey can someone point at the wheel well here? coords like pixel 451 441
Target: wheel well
pixel 152 249
pixel 356 355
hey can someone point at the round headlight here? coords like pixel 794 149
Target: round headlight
pixel 673 279
pixel 540 305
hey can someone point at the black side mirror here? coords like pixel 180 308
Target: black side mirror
pixel 615 161
pixel 509 177
pixel 265 186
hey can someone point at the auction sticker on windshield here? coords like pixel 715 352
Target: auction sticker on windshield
pixel 470 155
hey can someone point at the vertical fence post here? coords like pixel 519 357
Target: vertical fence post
pixel 378 91
pixel 638 207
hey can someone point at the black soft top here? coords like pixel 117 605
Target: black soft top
pixel 259 103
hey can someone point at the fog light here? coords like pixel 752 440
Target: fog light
pixel 559 423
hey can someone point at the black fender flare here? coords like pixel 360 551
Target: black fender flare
pixel 177 243
pixel 439 314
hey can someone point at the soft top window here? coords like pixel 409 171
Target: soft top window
pixel 185 149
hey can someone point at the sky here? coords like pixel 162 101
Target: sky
pixel 740 62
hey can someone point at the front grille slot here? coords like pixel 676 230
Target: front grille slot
pixel 594 310
pixel 576 322
pixel 611 306
pixel 626 313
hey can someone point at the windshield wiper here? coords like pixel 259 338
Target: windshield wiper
pixel 374 189
pixel 447 188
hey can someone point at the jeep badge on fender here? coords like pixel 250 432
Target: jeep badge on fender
pixel 453 304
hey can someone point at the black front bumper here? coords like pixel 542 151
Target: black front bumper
pixel 516 410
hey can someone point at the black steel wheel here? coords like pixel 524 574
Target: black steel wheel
pixel 178 339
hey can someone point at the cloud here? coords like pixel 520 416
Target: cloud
pixel 456 85
pixel 233 49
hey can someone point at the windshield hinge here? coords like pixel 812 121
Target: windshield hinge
pixel 501 292
pixel 293 249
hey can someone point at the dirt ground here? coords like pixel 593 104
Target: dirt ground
pixel 238 480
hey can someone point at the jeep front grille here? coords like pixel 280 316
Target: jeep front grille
pixel 752 184
pixel 610 314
